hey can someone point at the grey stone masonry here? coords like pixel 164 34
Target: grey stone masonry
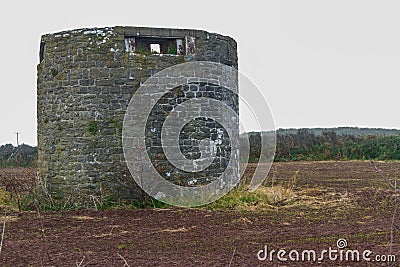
pixel 86 78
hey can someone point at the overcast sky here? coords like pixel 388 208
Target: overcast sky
pixel 319 63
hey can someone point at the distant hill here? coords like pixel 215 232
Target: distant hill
pixel 22 156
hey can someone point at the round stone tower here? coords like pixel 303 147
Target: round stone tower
pixel 86 79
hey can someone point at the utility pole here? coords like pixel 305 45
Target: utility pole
pixel 18 138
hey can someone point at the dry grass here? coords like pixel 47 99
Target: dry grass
pixel 178 230
pixel 281 195
pixel 82 218
pixel 15 185
pixel 5 200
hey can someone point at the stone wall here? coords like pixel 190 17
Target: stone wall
pixel 86 79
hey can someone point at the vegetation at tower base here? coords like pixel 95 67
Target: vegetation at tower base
pixel 86 78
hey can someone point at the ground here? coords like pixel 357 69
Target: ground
pixel 330 200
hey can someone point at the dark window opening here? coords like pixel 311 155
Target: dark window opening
pixel 156 45
pixel 41 51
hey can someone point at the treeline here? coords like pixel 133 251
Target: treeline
pixel 331 144
pixel 344 143
pixel 22 156
pixel 341 131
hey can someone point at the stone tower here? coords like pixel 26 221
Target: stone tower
pixel 86 78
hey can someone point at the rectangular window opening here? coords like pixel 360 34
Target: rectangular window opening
pixel 158 45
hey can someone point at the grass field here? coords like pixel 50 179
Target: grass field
pixel 302 206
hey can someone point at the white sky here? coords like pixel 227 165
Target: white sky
pixel 319 63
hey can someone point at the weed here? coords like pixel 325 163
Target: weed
pixel 54 72
pixel 172 50
pixel 92 127
pixel 143 50
pixel 122 246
